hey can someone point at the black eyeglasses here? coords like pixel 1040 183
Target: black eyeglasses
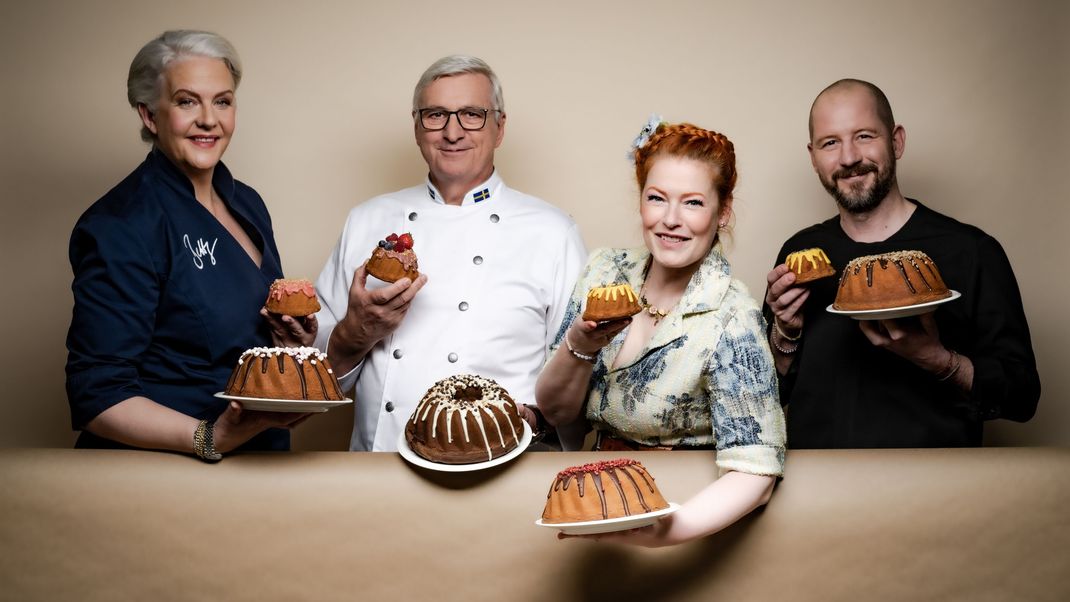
pixel 469 118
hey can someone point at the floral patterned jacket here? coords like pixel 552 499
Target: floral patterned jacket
pixel 705 378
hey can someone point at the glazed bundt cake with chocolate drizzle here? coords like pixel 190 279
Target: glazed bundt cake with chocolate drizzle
pixel 889 280
pixel 601 490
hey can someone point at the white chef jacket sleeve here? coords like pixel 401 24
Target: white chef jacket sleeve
pixel 332 287
pixel 573 256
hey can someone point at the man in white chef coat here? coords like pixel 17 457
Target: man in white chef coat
pixel 496 266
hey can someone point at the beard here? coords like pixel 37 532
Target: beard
pixel 859 198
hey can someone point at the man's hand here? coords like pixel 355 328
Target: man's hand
pixel 916 340
pixel 785 299
pixel 371 316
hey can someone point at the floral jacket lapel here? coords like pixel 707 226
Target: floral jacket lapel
pixel 705 291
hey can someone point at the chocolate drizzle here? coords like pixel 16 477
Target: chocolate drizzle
pixel 918 282
pixel 897 259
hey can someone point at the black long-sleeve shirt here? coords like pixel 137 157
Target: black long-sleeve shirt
pixel 843 392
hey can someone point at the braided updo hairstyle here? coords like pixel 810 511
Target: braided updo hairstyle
pixel 691 142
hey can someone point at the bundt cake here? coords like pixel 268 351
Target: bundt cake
pixel 284 373
pixel 394 259
pixel 601 490
pixel 464 419
pixel 809 265
pixel 292 298
pixel 889 280
pixel 611 303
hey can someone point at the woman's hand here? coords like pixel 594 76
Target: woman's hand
pixel 651 536
pixel 717 506
pixel 589 337
pixel 288 331
pixel 237 425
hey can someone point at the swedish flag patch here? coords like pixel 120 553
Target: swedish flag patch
pixel 482 195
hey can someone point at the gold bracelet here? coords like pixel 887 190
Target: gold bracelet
pixel 784 335
pixel 204 443
pixel 951 370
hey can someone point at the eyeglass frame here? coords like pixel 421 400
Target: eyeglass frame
pixel 420 113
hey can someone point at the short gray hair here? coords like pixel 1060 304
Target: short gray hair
pixel 458 64
pixel 147 69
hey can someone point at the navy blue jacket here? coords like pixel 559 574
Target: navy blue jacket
pixel 165 299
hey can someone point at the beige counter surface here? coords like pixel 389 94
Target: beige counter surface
pixel 977 524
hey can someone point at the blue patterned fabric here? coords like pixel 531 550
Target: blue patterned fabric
pixel 705 378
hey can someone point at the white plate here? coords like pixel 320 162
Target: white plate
pixel 893 312
pixel 414 458
pixel 285 405
pixel 611 524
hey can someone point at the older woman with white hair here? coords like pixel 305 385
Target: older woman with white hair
pixel 171 269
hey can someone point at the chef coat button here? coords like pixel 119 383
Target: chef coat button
pixel 494 218
pixel 389 406
pixel 412 216
pixel 463 306
pixel 397 354
pixel 478 260
pixel 452 357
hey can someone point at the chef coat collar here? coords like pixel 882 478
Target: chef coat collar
pixel 481 194
pixel 222 180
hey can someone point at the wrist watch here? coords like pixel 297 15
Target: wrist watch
pixel 541 426
pixel 204 444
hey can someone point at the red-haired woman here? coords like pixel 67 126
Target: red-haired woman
pixel 693 370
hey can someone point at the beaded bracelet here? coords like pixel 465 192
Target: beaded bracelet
pixel 590 359
pixel 773 339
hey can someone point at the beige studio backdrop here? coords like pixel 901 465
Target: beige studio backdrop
pixel 981 87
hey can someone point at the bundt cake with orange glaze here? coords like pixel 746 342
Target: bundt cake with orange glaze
pixel 284 373
pixel 611 303
pixel 888 281
pixel 292 297
pixel 809 265
pixel 601 490
pixel 464 419
pixel 394 259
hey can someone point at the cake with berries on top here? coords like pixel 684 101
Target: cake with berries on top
pixel 601 490
pixel 393 259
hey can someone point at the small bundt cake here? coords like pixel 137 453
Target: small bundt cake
pixel 601 490
pixel 888 281
pixel 394 259
pixel 292 298
pixel 284 373
pixel 464 419
pixel 611 303
pixel 809 265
